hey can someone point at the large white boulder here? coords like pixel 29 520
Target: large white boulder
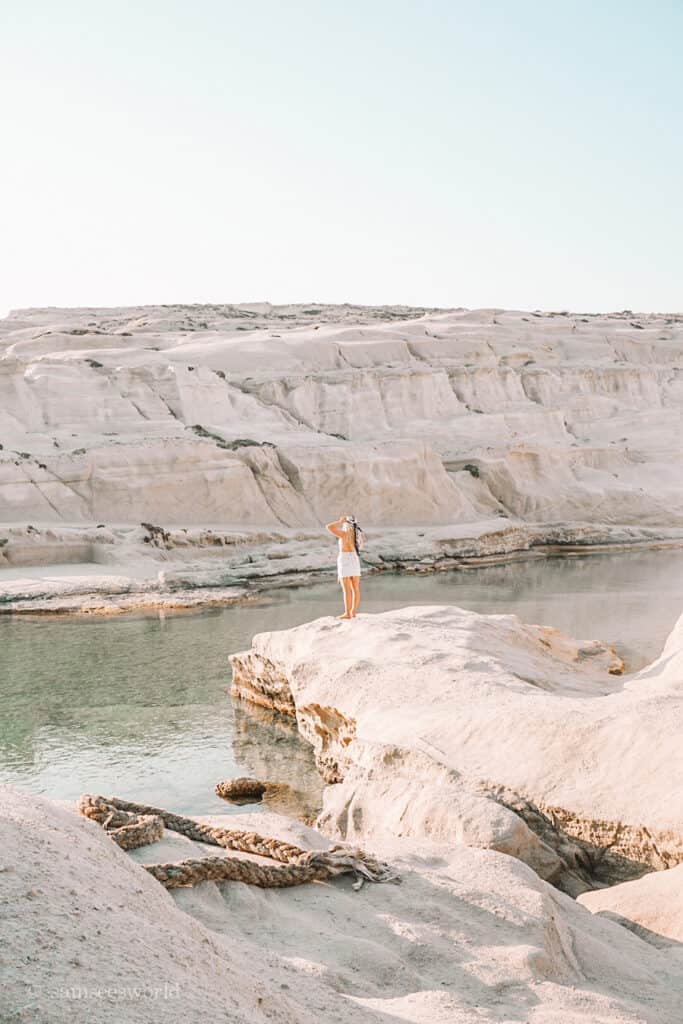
pixel 447 706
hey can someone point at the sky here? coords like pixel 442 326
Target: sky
pixel 524 154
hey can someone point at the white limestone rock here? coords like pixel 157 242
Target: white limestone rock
pixel 651 907
pixel 567 418
pixel 482 704
pixel 469 936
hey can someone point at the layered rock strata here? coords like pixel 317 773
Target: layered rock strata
pixel 488 431
pixel 435 721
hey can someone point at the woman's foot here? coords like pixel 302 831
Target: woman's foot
pixel 345 616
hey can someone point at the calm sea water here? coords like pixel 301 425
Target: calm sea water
pixel 137 705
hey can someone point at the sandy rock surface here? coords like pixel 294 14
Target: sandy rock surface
pixel 88 936
pixel 432 717
pixel 469 936
pixel 240 427
pixel 651 906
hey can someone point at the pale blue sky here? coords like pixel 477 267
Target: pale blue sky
pixel 522 154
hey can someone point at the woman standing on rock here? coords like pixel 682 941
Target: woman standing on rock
pixel 348 561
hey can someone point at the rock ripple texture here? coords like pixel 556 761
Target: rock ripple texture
pixel 278 416
pixel 195 451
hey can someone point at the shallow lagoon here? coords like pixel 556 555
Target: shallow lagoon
pixel 137 705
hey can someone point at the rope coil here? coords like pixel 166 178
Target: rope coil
pixel 132 825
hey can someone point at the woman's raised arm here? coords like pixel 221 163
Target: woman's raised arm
pixel 336 527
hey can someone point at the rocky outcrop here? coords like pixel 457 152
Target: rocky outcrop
pixel 281 415
pixel 87 936
pixel 469 935
pixel 258 680
pixel 237 431
pixel 651 907
pixel 438 722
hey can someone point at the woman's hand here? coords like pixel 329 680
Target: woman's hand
pixel 336 526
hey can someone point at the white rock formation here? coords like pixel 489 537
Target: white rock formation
pixel 470 936
pixel 651 906
pixel 88 936
pixel 282 417
pixel 442 723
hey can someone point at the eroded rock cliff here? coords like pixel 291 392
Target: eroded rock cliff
pixel 280 415
pixel 239 430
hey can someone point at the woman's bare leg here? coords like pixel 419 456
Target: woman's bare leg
pixel 355 590
pixel 348 596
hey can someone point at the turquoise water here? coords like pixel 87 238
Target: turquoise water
pixel 137 705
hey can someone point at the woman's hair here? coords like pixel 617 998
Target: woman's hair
pixel 357 533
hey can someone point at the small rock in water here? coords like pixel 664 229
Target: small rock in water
pixel 241 790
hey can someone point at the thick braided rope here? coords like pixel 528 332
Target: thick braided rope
pixel 127 830
pixel 120 817
pixel 146 829
pixel 229 839
pixel 221 869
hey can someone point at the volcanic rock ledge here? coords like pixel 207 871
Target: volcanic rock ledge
pixel 470 936
pixel 454 433
pixel 438 722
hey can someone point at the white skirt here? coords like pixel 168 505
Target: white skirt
pixel 348 564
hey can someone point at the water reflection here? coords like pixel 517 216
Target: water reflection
pixel 137 705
